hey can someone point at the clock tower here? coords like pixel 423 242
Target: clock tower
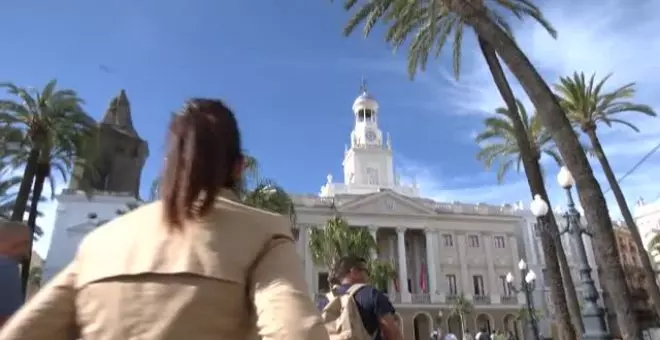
pixel 368 163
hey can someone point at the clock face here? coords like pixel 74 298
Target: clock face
pixel 370 135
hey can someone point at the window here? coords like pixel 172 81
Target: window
pixel 372 176
pixel 451 284
pixel 474 241
pixel 506 289
pixel 499 242
pixel 478 283
pixel 537 229
pixel 449 241
pixel 323 285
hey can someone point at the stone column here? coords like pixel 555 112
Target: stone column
pixel 373 230
pixel 403 270
pixel 300 242
pixel 493 289
pixel 431 239
pixel 465 286
pixel 309 262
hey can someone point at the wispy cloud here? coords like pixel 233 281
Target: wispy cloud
pixel 611 37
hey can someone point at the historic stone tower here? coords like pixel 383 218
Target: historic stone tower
pixel 120 154
pixel 112 175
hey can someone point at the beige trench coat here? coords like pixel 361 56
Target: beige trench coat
pixel 216 279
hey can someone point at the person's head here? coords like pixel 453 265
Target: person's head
pixel 203 157
pixel 351 269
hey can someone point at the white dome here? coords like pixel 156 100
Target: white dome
pixel 365 101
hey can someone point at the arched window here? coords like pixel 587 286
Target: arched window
pixel 372 176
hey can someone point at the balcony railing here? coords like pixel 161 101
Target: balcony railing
pixel 482 300
pixel 394 297
pixel 451 298
pixel 421 298
pixel 509 300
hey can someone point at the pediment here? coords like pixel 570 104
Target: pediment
pixel 386 202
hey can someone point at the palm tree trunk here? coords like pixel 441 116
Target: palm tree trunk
pixel 555 120
pixel 551 250
pixel 26 185
pixel 567 278
pixel 40 178
pixel 651 285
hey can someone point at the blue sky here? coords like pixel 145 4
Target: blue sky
pixel 291 77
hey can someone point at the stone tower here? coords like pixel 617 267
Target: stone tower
pixel 116 165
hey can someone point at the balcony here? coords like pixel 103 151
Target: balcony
pixel 451 298
pixel 509 300
pixel 421 298
pixel 394 297
pixel 481 300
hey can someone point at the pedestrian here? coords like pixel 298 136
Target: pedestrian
pixel 357 308
pixel 196 264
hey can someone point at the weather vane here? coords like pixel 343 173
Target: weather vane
pixel 363 85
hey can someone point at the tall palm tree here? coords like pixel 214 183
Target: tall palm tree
pixel 501 146
pixel 8 196
pixel 55 129
pixel 432 23
pixel 587 105
pixel 337 239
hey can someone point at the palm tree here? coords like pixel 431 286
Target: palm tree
pixel 54 129
pixel 462 307
pixel 431 22
pixel 501 146
pixel 8 196
pixel 587 104
pixel 338 239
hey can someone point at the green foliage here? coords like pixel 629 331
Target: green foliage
pixel 381 273
pixel 499 142
pixel 51 121
pixel 431 25
pixel 587 103
pixel 338 239
pixel 523 314
pixel 462 306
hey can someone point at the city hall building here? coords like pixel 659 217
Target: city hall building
pixel 440 250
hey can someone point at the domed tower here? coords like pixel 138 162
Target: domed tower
pixel 368 163
pixel 366 132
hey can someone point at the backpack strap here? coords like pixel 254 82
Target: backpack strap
pixel 354 289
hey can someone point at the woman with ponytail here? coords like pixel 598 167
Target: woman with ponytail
pixel 196 264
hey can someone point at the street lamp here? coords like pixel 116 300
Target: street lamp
pixel 527 285
pixel 593 317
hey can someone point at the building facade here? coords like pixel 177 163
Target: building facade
pixel 647 219
pixel 440 250
pixel 115 185
pixel 636 279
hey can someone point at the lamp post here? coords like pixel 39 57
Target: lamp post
pixel 593 317
pixel 527 285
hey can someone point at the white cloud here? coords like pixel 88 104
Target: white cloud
pixel 611 37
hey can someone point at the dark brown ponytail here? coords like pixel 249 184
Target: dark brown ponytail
pixel 204 154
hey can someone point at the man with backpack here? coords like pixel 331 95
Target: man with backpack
pixel 356 310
